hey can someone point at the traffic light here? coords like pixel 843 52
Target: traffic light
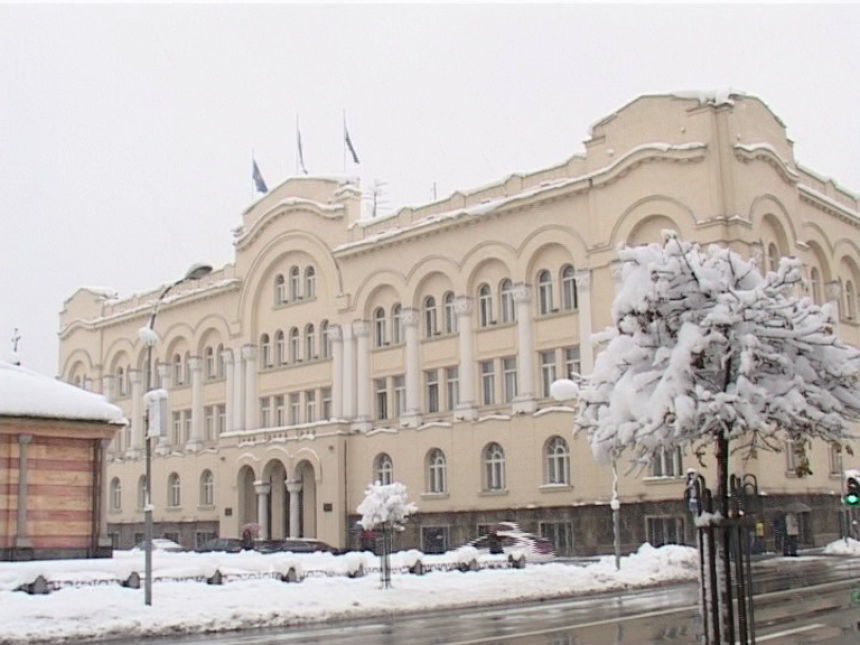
pixel 852 491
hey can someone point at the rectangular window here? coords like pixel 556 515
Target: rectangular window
pixel 295 409
pixel 572 364
pixel 280 411
pixel 222 419
pixel 202 537
pixel 310 406
pixel 176 429
pixel 835 459
pixel 547 371
pixel 432 379
pixel 380 389
pixel 560 534
pixel 452 387
pixel 434 539
pixel 488 383
pixel 209 422
pixel 667 463
pixel 326 403
pixel 399 395
pixel 664 530
pixel 509 372
pixel 265 412
pixel 186 418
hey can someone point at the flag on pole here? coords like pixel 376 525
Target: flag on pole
pixel 257 176
pixel 349 143
pixel 301 152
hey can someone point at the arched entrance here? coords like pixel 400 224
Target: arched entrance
pixel 246 513
pixel 277 506
pixel 305 482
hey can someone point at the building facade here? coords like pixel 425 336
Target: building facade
pixel 53 442
pixel 419 347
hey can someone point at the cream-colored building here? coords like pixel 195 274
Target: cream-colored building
pixel 419 347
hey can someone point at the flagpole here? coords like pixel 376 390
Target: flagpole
pixel 344 144
pixel 253 161
pixel 297 144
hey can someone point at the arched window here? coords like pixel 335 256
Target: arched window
pixel 383 469
pixel 430 328
pixel 265 351
pixel 379 327
pixel 141 492
pixel 280 348
pixel 280 289
pixel 557 461
pixel 178 373
pixel 397 324
pixel 219 361
pixel 120 381
pixel 186 363
pixel 207 488
pixel 294 345
pixel 115 494
pixel 568 288
pixel 772 257
pixel 544 281
pixel 325 340
pixel 506 292
pixel 437 472
pixel 451 322
pixel 310 342
pixel 494 467
pixel 850 300
pixel 174 496
pixel 485 305
pixel 310 283
pixel 209 362
pixel 815 279
pixel 294 283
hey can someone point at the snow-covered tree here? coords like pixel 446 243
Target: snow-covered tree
pixel 385 508
pixel 704 350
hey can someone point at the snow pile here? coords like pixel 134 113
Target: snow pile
pixel 849 546
pixel 25 393
pixel 73 614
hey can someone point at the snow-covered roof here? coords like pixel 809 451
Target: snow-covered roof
pixel 25 393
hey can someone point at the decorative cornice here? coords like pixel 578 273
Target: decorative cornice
pixel 765 152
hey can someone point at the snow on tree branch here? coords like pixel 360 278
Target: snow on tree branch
pixel 703 344
pixel 385 503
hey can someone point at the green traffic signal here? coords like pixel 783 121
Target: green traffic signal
pixel 852 499
pixel 852 492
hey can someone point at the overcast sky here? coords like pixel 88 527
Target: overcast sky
pixel 126 131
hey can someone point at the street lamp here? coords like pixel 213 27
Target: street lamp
pixel 147 334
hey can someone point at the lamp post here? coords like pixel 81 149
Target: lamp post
pixel 196 272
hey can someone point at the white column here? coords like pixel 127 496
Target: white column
pixel 348 372
pixel 583 298
pixel 466 408
pixel 294 488
pixel 525 399
pixel 361 331
pixel 336 338
pixel 263 508
pixel 136 442
pixel 249 356
pixel 227 357
pixel 412 416
pixel 165 374
pixel 196 438
pixel 238 391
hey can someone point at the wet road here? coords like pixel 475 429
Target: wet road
pixel 798 601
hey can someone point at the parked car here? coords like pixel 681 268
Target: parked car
pixel 294 545
pixel 224 545
pixel 161 544
pixel 512 539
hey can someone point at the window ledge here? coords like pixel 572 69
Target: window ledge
pixel 555 488
pixel 173 509
pixel 431 496
pixel 206 507
pixel 666 479
pixel 493 493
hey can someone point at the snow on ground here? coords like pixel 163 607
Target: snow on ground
pixel 848 546
pixel 112 611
